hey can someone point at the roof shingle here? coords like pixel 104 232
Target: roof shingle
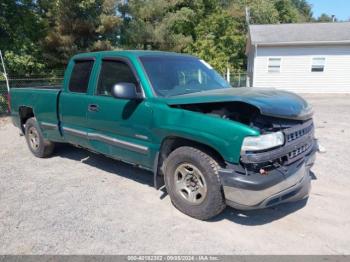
pixel 300 33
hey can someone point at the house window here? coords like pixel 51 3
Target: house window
pixel 318 64
pixel 274 65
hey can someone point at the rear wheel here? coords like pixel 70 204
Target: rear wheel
pixel 193 184
pixel 39 146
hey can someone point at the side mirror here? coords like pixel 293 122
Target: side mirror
pixel 125 91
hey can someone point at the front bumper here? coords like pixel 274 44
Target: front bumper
pixel 283 184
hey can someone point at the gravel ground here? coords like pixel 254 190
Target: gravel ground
pixel 80 203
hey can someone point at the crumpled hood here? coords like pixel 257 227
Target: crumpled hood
pixel 271 102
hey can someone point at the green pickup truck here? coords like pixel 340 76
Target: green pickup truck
pixel 209 144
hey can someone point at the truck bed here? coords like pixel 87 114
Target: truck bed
pixel 42 100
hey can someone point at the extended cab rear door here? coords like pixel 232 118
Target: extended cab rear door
pixel 120 128
pixel 74 101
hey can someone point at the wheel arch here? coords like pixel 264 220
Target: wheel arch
pixel 169 144
pixel 25 112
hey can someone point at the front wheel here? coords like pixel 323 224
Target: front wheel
pixel 39 146
pixel 193 184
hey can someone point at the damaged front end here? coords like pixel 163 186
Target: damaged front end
pixel 275 167
pixel 273 176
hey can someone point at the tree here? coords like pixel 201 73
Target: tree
pixel 304 9
pixel 324 18
pixel 264 12
pixel 41 35
pixel 20 30
pixel 274 11
pixel 219 42
pixel 158 24
pixel 79 26
pixel 109 28
pixel 287 11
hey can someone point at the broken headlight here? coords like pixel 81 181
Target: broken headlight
pixel 262 142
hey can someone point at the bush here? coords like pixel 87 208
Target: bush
pixel 22 64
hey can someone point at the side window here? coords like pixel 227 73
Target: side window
pixel 114 72
pixel 80 76
pixel 274 65
pixel 318 64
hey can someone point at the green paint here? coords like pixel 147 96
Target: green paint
pixel 149 122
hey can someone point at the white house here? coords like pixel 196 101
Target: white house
pixel 305 58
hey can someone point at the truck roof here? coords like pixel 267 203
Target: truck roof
pixel 134 53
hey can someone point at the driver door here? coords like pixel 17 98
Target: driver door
pixel 119 128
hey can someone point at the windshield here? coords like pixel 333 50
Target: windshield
pixel 176 75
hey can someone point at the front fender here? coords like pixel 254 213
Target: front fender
pixel 225 136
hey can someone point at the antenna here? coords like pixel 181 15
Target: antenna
pixel 4 72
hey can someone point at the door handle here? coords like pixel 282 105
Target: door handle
pixel 93 108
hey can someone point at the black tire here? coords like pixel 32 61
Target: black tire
pixel 39 146
pixel 213 202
